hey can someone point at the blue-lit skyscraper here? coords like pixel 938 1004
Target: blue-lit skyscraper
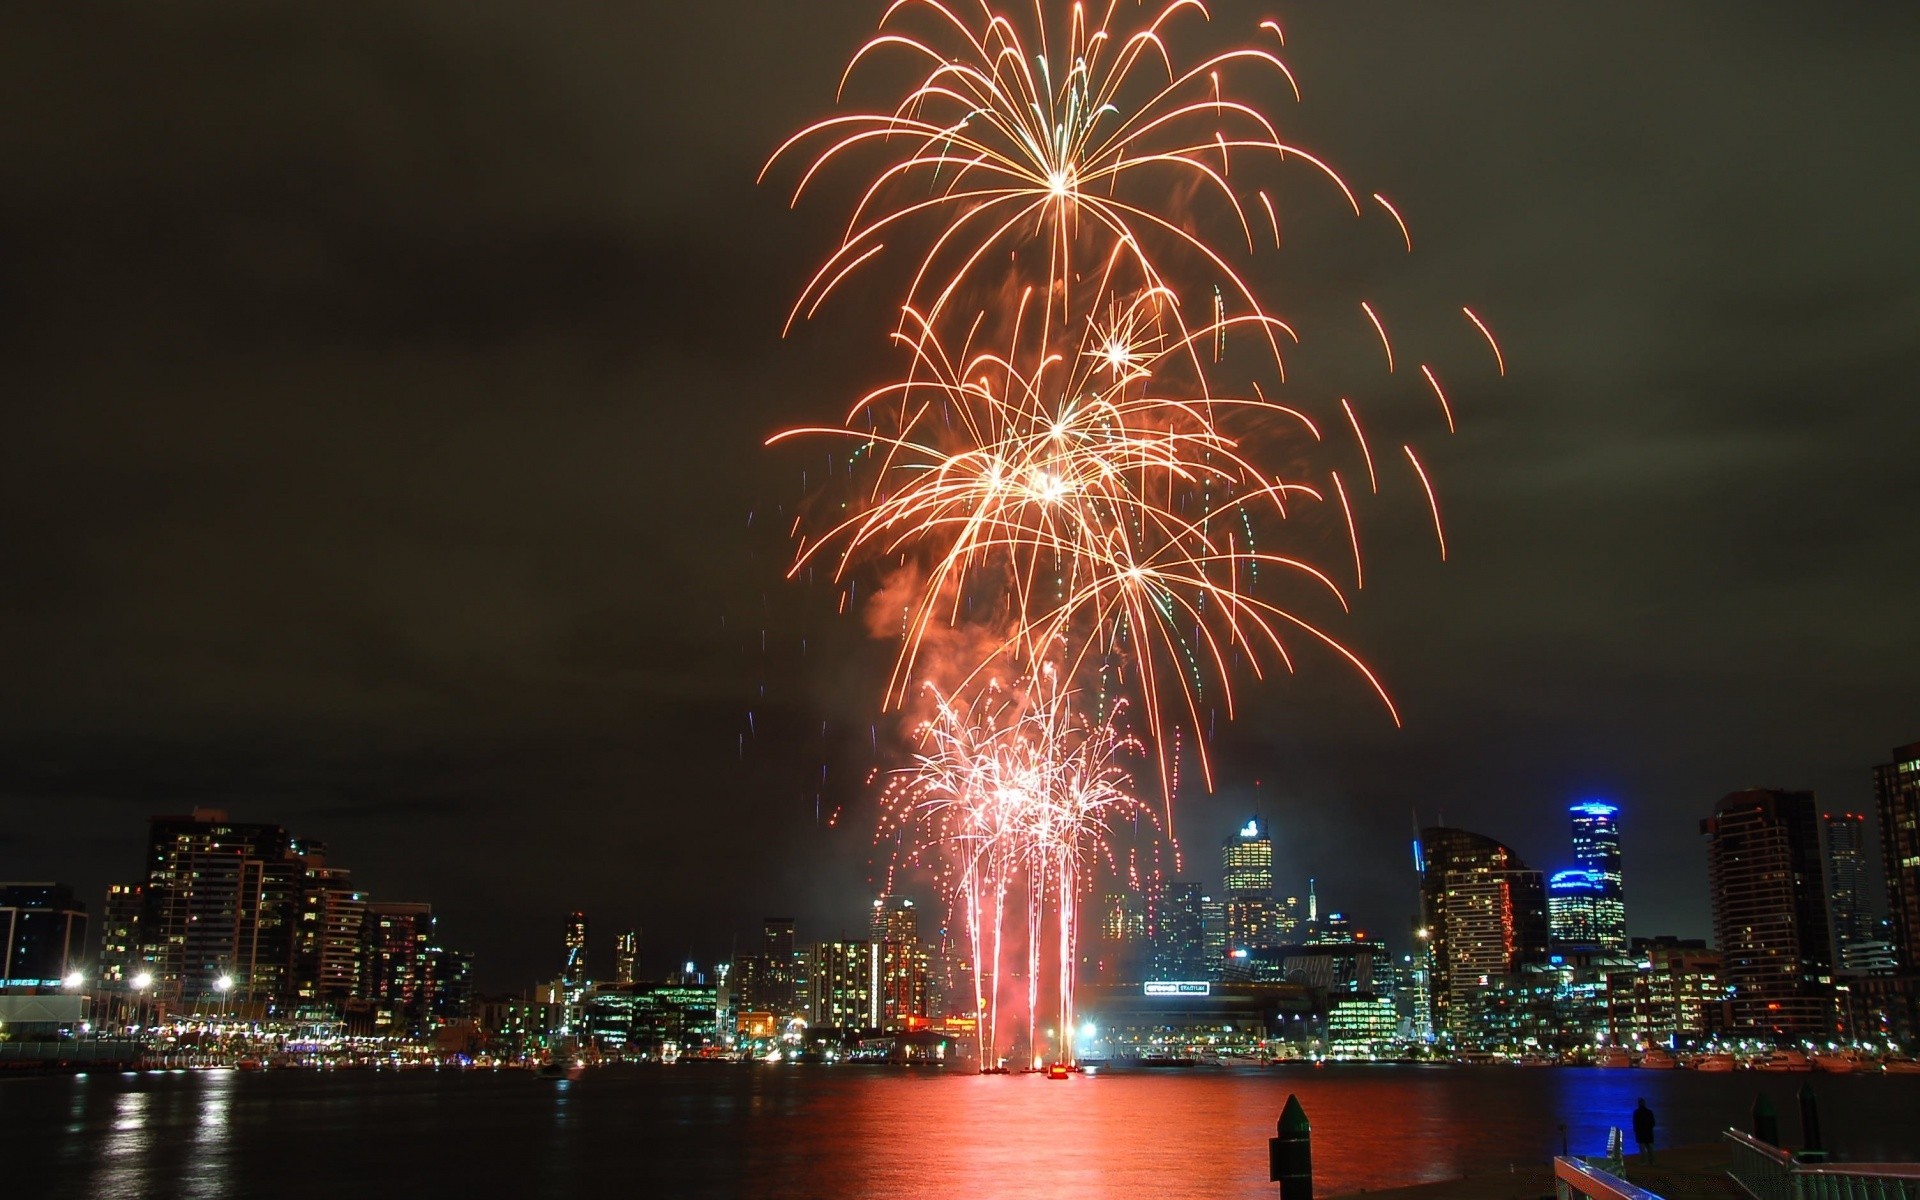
pixel 1596 852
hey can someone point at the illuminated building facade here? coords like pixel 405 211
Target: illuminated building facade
pixel 900 979
pixel 1897 789
pixel 1484 915
pixel 1596 850
pixel 122 948
pixel 1673 994
pixel 1213 934
pixel 1361 1027
pixel 1246 868
pixel 1574 908
pixel 573 969
pixel 43 935
pixel 842 985
pixel 1767 878
pixel 327 948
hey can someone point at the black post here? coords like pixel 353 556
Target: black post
pixel 1766 1125
pixel 1810 1122
pixel 1563 1141
pixel 1290 1156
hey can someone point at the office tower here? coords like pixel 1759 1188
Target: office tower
pixel 122 946
pixel 1483 914
pixel 1213 934
pixel 1596 850
pixel 1335 930
pixel 769 982
pixel 1179 943
pixel 626 951
pixel 841 982
pixel 43 935
pixel 1897 785
pixel 1574 909
pixel 1852 925
pixel 1770 910
pixel 220 901
pixel 1246 866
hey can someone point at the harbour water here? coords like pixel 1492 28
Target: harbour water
pixel 723 1130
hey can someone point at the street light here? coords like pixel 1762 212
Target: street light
pixel 73 981
pixel 223 984
pixel 142 981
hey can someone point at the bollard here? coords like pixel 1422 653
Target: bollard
pixel 1290 1156
pixel 1766 1125
pixel 1810 1123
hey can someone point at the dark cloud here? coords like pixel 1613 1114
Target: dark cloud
pixel 387 390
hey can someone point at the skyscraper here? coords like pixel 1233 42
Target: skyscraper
pixel 1770 910
pixel 1574 908
pixel 1484 914
pixel 842 985
pixel 122 946
pixel 626 951
pixel 1246 867
pixel 1897 785
pixel 899 980
pixel 1596 850
pixel 1847 911
pixel 1179 942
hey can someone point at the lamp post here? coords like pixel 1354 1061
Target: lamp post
pixel 141 983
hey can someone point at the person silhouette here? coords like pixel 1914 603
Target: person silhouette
pixel 1643 1130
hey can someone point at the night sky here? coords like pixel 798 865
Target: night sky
pixel 386 389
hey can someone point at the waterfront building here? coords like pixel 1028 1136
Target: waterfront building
pixel 122 948
pixel 1484 913
pixel 900 979
pixel 1897 789
pixel 1558 1006
pixel 1596 850
pixel 43 935
pixel 1361 1027
pixel 1672 995
pixel 1179 936
pixel 219 904
pixel 626 952
pixel 1770 911
pixel 1246 866
pixel 842 984
pixel 327 933
pixel 1192 1018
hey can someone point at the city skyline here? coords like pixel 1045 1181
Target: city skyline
pixel 342 516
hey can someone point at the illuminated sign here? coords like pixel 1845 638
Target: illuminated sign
pixel 1183 987
pixel 1251 829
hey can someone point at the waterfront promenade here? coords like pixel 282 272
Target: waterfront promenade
pixel 1682 1173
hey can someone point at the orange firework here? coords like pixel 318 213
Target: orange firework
pixel 1060 136
pixel 1110 514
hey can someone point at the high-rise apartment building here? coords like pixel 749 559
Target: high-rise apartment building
pixel 327 928
pixel 1483 914
pixel 43 934
pixel 1770 911
pixel 1897 785
pixel 573 969
pixel 122 946
pixel 841 982
pixel 1596 850
pixel 1246 868
pixel 1574 908
pixel 220 903
pixel 1847 904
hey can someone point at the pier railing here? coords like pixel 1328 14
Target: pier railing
pixel 1767 1172
pixel 1574 1179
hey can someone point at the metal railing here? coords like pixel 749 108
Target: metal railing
pixel 1767 1172
pixel 1573 1179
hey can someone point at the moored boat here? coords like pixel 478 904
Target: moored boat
pixel 1836 1064
pixel 1783 1060
pixel 1657 1059
pixel 1613 1058
pixel 1713 1063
